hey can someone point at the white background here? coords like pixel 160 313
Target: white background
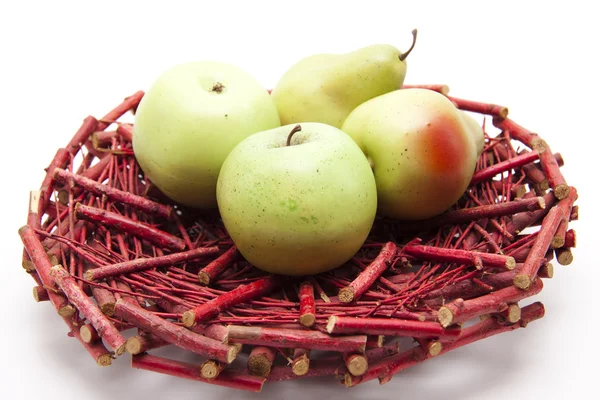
pixel 61 62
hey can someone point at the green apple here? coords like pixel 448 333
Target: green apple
pixel 422 151
pixel 300 209
pixel 190 119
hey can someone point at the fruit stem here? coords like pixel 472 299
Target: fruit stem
pixel 403 56
pixel 295 129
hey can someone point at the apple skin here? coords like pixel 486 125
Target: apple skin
pixel 300 209
pixel 421 150
pixel 185 127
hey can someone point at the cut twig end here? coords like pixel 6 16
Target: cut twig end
pixel 89 275
pixel 522 281
pixel 546 271
pixel 357 364
pixel 232 353
pixel 86 334
pixel 188 318
pixel 542 203
pixel 308 320
pixel 503 112
pixel 105 360
pixel 435 348
pixel 133 345
pixel 108 309
pixel 564 256
pixel 210 369
pixel 513 313
pixel 510 263
pixel 259 365
pixel 346 295
pixel 445 316
pixel 66 311
pixel 203 278
pixel 301 365
pixel 331 323
pixel 557 242
pixel 561 191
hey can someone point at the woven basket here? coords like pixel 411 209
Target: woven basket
pixel 112 254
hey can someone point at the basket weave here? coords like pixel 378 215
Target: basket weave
pixel 423 280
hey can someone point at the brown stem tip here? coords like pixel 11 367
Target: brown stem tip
pixel 295 129
pixel 403 56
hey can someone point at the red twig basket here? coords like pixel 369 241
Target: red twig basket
pixel 112 254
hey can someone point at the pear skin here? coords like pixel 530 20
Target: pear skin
pixel 422 151
pixel 327 87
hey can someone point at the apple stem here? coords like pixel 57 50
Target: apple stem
pixel 403 56
pixel 218 87
pixel 297 128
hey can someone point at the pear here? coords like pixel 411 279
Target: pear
pixel 327 87
pixel 476 131
pixel 421 148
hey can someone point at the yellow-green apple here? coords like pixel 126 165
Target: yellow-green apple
pixel 421 150
pixel 301 208
pixel 190 119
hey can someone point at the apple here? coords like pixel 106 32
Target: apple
pixel 297 209
pixel 190 119
pixel 421 148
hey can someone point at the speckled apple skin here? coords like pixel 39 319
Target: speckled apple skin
pixel 184 129
pixel 420 147
pixel 297 210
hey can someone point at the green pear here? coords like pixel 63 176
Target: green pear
pixel 327 87
pixel 477 132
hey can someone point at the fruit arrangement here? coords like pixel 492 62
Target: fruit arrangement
pixel 300 232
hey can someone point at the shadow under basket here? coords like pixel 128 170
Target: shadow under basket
pixel 112 254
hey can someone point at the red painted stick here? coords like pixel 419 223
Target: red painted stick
pixel 81 136
pixel 238 295
pixel 260 360
pixel 481 108
pixel 517 132
pixel 42 264
pixel 228 378
pixel 106 330
pixel 307 304
pixel 174 334
pixel 552 170
pixel 478 259
pixel 463 310
pixel 138 202
pixel 389 366
pixel 536 256
pixel 142 343
pixel 368 276
pixel 130 103
pixel 126 131
pixel 128 225
pixel 213 270
pixel 511 163
pixel 293 338
pixel 142 264
pixel 488 211
pixel 60 160
pixel 390 327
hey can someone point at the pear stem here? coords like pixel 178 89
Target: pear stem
pixel 403 56
pixel 295 129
